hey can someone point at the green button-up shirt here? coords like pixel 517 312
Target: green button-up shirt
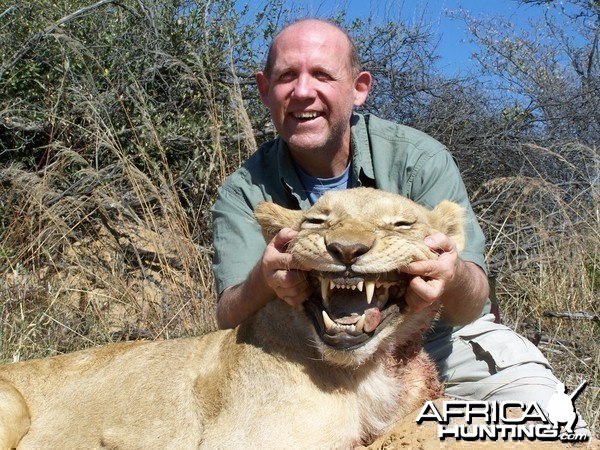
pixel 385 155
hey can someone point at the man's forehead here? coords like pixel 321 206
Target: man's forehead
pixel 318 42
pixel 309 50
pixel 312 27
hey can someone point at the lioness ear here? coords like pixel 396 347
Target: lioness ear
pixel 272 218
pixel 449 218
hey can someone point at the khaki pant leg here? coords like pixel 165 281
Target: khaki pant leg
pixel 489 361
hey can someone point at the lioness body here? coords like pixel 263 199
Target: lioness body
pixel 183 393
pixel 284 378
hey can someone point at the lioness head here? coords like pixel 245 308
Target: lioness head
pixel 354 242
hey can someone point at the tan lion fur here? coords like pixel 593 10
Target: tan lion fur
pixel 270 383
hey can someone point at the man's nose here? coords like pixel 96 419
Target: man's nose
pixel 304 87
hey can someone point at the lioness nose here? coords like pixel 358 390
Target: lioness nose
pixel 347 253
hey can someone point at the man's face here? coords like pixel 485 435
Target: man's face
pixel 311 91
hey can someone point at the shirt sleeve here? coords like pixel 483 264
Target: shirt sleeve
pixel 437 178
pixel 237 238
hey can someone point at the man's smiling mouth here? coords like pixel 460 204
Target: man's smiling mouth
pixel 306 115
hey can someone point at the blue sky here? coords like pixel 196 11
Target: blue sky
pixel 453 48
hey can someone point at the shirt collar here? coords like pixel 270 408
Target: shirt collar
pixel 288 176
pixel 362 164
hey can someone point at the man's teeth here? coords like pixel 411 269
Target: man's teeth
pixel 305 115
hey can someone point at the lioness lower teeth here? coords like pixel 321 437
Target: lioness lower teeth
pixel 327 321
pixel 330 324
pixel 360 325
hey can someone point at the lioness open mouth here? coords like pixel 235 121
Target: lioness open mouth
pixel 348 308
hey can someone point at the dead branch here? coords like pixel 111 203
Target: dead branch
pixel 578 315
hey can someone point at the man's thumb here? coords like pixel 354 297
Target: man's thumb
pixel 283 238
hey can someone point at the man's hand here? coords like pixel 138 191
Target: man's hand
pixel 462 287
pixel 282 273
pixel 276 275
pixel 431 277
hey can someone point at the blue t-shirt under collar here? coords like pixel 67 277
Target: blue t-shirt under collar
pixel 315 187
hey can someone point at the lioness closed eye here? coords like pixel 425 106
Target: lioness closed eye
pixel 333 373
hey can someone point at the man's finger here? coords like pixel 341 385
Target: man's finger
pixel 290 278
pixel 283 238
pixel 414 302
pixel 294 288
pixel 426 268
pixel 280 243
pixel 428 291
pixel 440 243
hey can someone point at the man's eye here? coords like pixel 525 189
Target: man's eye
pixel 322 76
pixel 286 76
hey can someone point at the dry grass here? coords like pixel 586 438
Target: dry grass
pixel 544 249
pixel 93 256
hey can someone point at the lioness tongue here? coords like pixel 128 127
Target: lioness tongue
pixel 367 322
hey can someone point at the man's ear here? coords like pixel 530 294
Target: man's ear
pixel 272 218
pixel 362 86
pixel 262 83
pixel 449 218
